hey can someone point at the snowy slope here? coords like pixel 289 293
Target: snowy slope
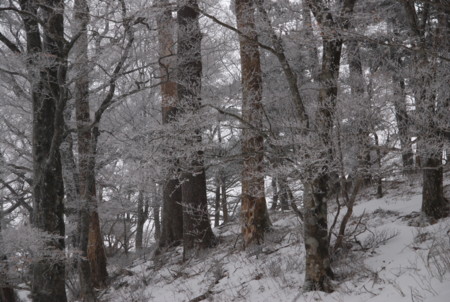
pixel 392 259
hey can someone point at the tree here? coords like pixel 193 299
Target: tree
pixel 172 211
pixel 47 66
pixel 197 232
pixel 254 209
pixel 429 102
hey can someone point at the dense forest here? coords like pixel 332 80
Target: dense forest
pixel 133 128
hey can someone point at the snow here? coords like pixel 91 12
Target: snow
pixel 409 263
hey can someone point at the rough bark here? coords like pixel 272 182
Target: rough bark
pixel 434 205
pixel 318 270
pixel 197 232
pixel 85 162
pixel 48 98
pixel 172 211
pixel 254 208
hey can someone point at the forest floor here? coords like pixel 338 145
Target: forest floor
pixel 390 256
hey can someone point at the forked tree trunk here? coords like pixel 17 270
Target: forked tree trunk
pixel 48 98
pixel 197 232
pixel 254 209
pixel 172 211
pixel 318 267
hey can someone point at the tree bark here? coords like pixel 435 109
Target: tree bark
pixel 275 194
pixel 48 98
pixel 434 205
pixel 318 270
pixel 172 211
pixel 142 214
pixel 85 162
pixel 197 232
pixel 254 208
pixel 217 204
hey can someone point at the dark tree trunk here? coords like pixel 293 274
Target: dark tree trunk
pixel 318 270
pixel 172 211
pixel 6 291
pixel 224 200
pixel 275 194
pixel 48 98
pixel 217 204
pixel 85 154
pixel 142 214
pixel 254 209
pixel 430 144
pixel 197 232
pixel 284 193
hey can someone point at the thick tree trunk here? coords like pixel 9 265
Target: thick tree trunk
pixel 254 208
pixel 48 98
pixel 197 232
pixel 172 211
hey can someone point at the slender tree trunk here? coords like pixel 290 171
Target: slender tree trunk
pixel 217 204
pixel 254 208
pixel 275 194
pixel 142 214
pixel 197 232
pixel 172 211
pixel 156 202
pixel 86 170
pixel 224 200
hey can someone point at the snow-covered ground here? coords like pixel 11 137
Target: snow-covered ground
pixel 391 258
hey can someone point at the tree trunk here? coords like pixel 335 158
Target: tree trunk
pixel 318 270
pixel 6 291
pixel 172 211
pixel 48 98
pixel 197 232
pixel 217 204
pixel 434 205
pixel 85 154
pixel 96 252
pixel 142 214
pixel 275 194
pixel 254 208
pixel 224 200
pixel 284 193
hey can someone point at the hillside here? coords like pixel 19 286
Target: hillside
pixel 389 257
